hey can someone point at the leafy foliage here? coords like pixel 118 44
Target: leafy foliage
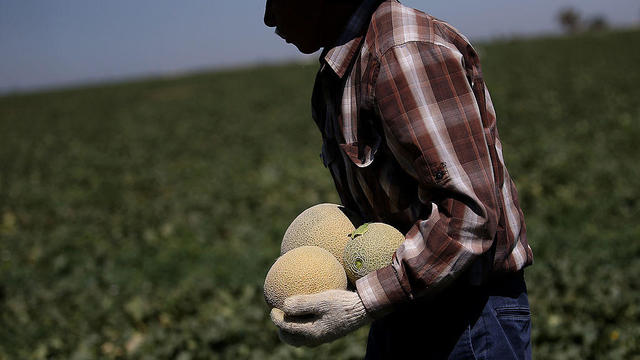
pixel 139 220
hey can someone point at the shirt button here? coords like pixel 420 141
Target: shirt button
pixel 439 175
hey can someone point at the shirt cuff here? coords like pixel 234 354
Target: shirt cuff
pixel 380 291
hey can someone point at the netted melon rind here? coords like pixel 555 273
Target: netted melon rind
pixel 324 225
pixel 303 270
pixel 375 248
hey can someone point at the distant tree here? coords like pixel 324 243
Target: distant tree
pixel 598 23
pixel 570 20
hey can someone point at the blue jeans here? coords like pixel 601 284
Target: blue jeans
pixel 491 321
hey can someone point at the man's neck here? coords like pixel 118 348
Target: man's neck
pixel 336 15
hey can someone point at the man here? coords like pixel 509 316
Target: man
pixel 410 139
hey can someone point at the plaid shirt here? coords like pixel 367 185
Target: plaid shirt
pixel 410 138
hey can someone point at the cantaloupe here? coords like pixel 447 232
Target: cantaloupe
pixel 303 270
pixel 370 248
pixel 323 225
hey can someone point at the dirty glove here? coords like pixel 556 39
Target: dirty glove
pixel 318 318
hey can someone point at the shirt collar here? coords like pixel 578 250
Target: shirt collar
pixel 339 57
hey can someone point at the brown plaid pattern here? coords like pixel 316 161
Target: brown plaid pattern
pixel 410 138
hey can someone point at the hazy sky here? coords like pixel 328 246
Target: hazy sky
pixel 52 43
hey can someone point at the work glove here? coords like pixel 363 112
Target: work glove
pixel 318 318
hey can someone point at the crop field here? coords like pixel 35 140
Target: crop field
pixel 138 220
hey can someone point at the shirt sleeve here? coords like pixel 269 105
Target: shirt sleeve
pixel 433 127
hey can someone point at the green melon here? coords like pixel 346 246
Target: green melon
pixel 303 270
pixel 370 248
pixel 323 225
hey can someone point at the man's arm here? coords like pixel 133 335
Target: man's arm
pixel 433 127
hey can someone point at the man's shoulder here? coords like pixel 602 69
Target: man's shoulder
pixel 394 24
